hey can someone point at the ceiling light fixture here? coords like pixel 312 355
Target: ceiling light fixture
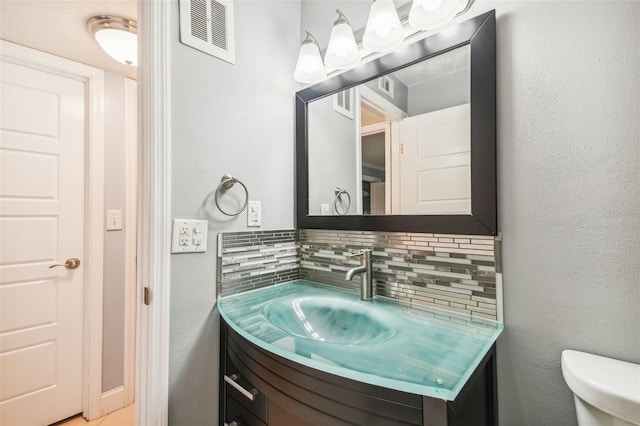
pixel 384 31
pixel 342 51
pixel 116 36
pixel 309 67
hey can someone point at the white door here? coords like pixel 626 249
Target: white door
pixel 435 162
pixel 42 137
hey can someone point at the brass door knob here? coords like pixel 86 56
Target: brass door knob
pixel 71 263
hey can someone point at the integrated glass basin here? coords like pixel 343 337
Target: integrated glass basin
pixel 384 342
pixel 330 320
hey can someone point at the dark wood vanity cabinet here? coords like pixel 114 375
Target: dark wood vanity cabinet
pixel 278 392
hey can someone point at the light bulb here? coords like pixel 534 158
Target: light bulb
pixel 431 5
pixel 431 14
pixel 384 31
pixel 342 51
pixel 309 67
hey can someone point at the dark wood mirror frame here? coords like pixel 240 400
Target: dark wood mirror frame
pixel 480 34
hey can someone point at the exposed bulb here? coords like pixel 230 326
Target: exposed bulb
pixel 309 67
pixel 384 31
pixel 342 51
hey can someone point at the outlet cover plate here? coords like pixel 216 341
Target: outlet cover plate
pixel 189 236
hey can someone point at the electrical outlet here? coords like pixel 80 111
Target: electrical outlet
pixel 189 236
pixel 324 209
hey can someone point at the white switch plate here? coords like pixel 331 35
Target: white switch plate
pixel 324 209
pixel 254 213
pixel 189 236
pixel 114 220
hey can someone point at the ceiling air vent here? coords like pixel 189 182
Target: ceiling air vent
pixel 207 25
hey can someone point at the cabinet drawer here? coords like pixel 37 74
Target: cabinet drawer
pixel 238 413
pixel 245 394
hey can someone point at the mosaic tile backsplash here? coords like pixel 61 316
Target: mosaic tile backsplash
pixel 452 272
pixel 248 260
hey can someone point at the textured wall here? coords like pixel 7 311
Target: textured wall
pixel 235 119
pixel 569 204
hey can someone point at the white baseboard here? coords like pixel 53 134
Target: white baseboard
pixel 112 400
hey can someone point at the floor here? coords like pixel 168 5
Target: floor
pixel 122 417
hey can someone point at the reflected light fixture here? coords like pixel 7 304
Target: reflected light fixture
pixel 342 51
pixel 116 36
pixel 384 31
pixel 430 14
pixel 309 67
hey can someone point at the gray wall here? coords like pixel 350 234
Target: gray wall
pixel 568 173
pixel 439 93
pixel 114 241
pixel 333 148
pixel 235 119
pixel 400 92
pixel 568 167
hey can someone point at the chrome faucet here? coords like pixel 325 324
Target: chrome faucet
pixel 366 285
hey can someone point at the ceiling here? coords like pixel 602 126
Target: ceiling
pixel 58 27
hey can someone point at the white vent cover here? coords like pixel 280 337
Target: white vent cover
pixel 207 25
pixel 343 103
pixel 385 84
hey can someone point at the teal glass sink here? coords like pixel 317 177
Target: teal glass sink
pixel 329 320
pixel 383 342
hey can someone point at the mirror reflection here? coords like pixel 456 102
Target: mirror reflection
pixel 399 144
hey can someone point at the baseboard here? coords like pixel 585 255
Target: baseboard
pixel 112 400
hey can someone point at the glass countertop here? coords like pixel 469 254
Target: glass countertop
pixel 384 342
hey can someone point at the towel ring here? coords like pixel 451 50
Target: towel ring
pixel 226 182
pixel 339 192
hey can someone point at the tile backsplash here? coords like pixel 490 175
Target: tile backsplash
pixel 248 260
pixel 452 272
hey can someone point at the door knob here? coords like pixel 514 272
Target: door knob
pixel 71 263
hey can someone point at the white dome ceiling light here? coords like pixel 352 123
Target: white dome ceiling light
pixel 116 36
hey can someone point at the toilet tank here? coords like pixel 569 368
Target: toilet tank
pixel 609 385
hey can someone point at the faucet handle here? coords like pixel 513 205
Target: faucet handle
pixel 364 253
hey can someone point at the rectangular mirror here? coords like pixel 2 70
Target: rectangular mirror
pixel 405 142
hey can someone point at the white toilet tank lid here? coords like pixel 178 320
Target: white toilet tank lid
pixel 611 385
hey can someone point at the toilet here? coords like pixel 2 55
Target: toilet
pixel 606 391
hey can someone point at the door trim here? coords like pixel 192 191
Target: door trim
pixel 93 78
pixel 154 100
pixel 130 223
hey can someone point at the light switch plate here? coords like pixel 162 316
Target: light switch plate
pixel 114 220
pixel 189 236
pixel 324 209
pixel 254 214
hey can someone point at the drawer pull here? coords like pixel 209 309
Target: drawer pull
pixel 232 381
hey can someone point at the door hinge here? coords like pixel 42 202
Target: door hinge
pixel 401 148
pixel 147 296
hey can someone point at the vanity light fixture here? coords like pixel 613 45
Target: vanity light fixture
pixel 116 36
pixel 309 67
pixel 384 31
pixel 430 14
pixel 342 51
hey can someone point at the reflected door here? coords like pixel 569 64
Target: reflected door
pixel 435 162
pixel 41 224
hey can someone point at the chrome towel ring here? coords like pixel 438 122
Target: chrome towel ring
pixel 339 193
pixel 227 182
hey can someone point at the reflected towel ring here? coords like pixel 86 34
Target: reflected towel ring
pixel 339 192
pixel 226 182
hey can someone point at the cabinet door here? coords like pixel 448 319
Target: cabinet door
pixel 238 414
